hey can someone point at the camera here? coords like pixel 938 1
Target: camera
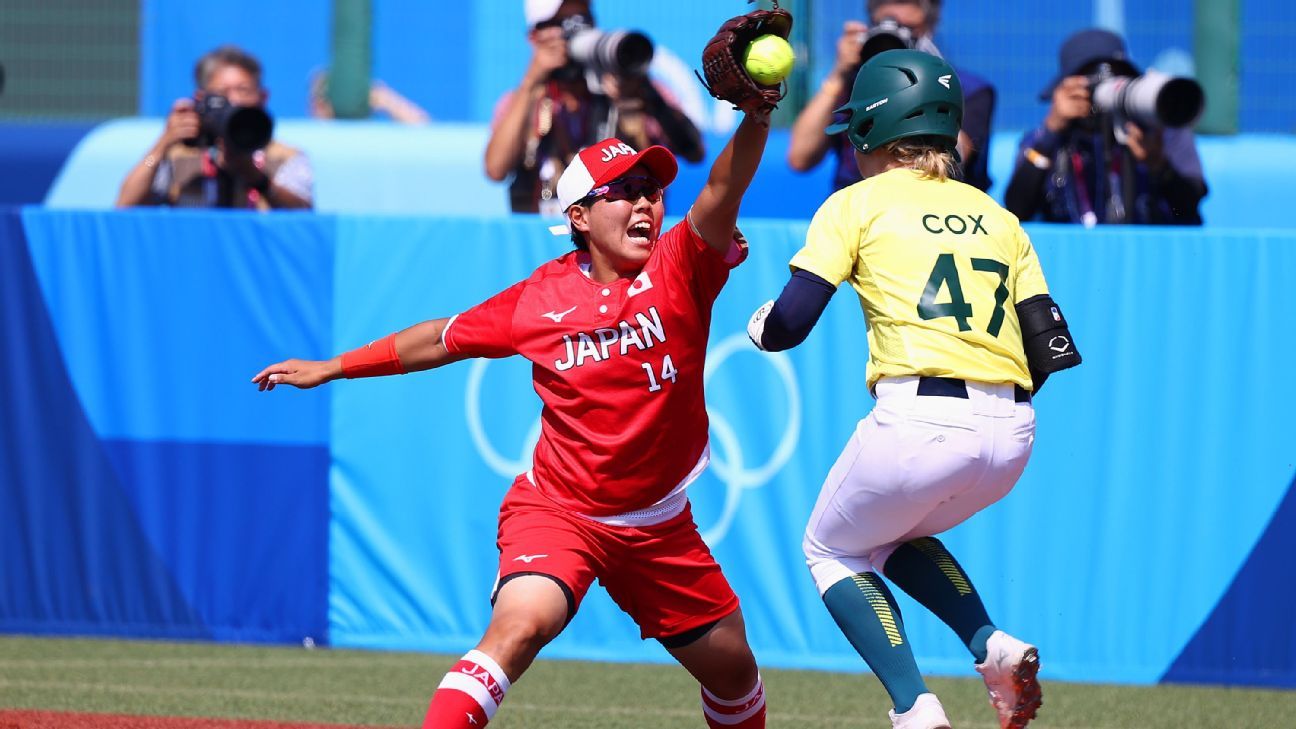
pixel 887 35
pixel 244 128
pixel 622 52
pixel 1152 99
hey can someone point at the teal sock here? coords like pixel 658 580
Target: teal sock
pixel 928 573
pixel 866 612
pixel 978 643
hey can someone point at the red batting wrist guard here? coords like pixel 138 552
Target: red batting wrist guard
pixel 375 359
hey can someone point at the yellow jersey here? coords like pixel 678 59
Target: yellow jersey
pixel 939 267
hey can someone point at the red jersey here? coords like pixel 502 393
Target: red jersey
pixel 618 367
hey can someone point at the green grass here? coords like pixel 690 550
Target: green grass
pixel 391 689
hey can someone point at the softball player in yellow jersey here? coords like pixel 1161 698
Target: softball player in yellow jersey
pixel 960 331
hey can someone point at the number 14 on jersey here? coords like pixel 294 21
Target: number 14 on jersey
pixel 668 372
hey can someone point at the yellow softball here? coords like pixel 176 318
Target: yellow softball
pixel 768 59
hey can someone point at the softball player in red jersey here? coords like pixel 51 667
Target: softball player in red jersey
pixel 959 331
pixel 617 332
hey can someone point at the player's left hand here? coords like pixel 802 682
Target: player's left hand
pixel 300 373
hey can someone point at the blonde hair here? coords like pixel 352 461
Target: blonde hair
pixel 932 156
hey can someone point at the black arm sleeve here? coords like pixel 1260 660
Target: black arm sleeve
pixel 798 308
pixel 1046 337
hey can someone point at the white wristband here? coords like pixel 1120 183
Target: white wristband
pixel 756 326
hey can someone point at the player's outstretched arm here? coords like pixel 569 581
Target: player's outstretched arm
pixel 417 348
pixel 725 65
pixel 715 212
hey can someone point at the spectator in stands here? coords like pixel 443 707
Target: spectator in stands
pixel 383 101
pixel 184 173
pixel 561 106
pixel 1149 174
pixel 914 25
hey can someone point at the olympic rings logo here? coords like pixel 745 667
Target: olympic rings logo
pixel 727 460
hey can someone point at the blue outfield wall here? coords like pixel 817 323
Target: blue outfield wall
pixel 147 489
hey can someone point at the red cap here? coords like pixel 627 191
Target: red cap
pixel 602 162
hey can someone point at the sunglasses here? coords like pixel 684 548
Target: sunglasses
pixel 626 188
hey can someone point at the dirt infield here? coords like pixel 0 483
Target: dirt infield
pixel 10 719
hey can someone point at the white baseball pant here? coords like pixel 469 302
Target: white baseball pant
pixel 916 466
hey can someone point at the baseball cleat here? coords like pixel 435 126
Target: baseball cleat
pixel 926 713
pixel 1011 673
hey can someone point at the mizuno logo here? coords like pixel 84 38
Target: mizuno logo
pixel 944 80
pixel 557 316
pixel 528 558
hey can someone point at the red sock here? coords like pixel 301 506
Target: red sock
pixel 469 694
pixel 745 713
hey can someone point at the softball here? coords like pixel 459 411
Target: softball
pixel 768 59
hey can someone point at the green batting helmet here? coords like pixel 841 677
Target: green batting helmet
pixel 902 93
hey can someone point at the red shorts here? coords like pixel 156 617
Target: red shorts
pixel 663 576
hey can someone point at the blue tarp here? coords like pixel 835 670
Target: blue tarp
pixel 146 489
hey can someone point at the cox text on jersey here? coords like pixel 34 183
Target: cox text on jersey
pixel 956 224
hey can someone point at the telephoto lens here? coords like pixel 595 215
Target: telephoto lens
pixel 623 52
pixel 1154 99
pixel 247 128
pixel 887 35
pixel 244 128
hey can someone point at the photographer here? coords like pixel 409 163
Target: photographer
pixel 216 150
pixel 1089 164
pixel 894 24
pixel 569 100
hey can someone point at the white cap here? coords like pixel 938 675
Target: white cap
pixel 538 11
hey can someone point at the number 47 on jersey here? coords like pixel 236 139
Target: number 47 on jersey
pixel 945 272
